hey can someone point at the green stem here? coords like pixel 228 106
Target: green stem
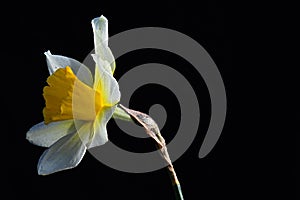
pixel 122 115
pixel 153 130
pixel 171 171
pixel 175 183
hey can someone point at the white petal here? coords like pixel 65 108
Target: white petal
pixel 100 133
pixel 100 30
pixel 85 131
pixel 55 62
pixel 102 77
pixel 66 153
pixel 45 135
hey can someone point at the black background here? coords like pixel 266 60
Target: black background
pixel 240 166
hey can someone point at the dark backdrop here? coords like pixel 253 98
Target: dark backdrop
pixel 234 169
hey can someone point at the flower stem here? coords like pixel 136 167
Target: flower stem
pixel 153 131
pixel 175 183
pixel 121 114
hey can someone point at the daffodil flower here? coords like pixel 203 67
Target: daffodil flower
pixel 78 105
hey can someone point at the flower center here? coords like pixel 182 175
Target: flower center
pixel 69 98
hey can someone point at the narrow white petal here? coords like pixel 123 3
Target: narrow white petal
pixel 66 153
pixel 102 77
pixel 100 132
pixel 45 135
pixel 100 30
pixel 55 62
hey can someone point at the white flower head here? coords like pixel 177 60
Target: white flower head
pixel 78 105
